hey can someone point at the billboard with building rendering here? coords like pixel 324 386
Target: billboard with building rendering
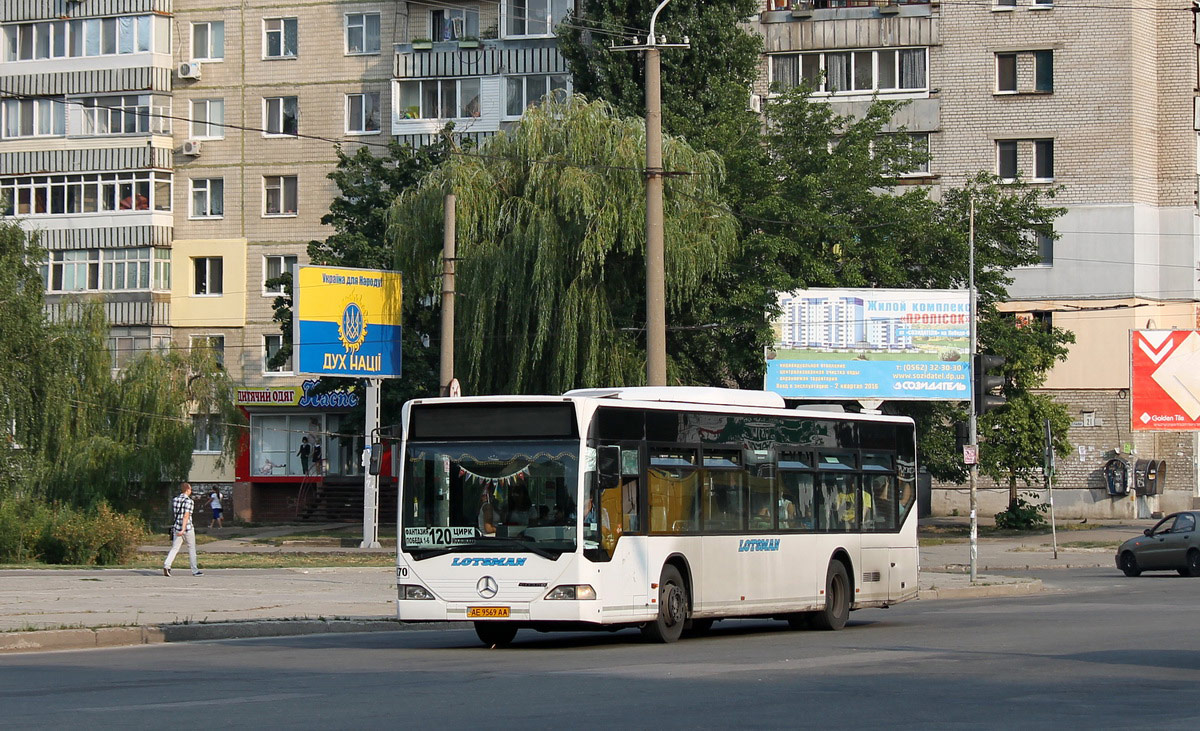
pixel 346 322
pixel 1164 380
pixel 887 344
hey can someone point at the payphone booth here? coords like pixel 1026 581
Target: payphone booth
pixel 1149 477
pixel 1118 476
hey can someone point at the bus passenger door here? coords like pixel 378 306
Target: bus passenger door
pixel 621 509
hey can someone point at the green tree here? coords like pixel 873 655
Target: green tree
pixel 1013 436
pixel 551 248
pixel 705 88
pixel 82 435
pixel 367 185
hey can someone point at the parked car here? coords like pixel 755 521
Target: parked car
pixel 1172 544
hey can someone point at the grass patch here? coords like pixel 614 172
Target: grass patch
pixel 939 541
pixel 1090 544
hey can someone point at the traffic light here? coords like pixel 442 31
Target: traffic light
pixel 962 436
pixel 986 383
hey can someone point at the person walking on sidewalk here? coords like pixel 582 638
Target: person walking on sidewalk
pixel 184 529
pixel 214 502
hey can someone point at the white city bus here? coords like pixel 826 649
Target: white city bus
pixel 658 508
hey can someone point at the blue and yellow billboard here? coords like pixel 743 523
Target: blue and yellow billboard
pixel 346 322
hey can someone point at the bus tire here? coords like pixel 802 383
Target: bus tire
pixel 837 599
pixel 496 634
pixel 672 608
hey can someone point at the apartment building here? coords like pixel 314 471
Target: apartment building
pixel 86 154
pixel 1094 101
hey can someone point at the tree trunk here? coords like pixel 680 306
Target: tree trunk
pixel 1012 490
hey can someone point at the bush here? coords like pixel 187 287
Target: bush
pixel 1022 515
pixel 59 534
pixel 22 524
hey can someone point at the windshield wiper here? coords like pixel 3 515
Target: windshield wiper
pixel 474 544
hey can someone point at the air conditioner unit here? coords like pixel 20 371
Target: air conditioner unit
pixel 191 148
pixel 189 70
pixel 756 103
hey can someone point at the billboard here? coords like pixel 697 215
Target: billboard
pixel 1164 380
pixel 346 322
pixel 887 344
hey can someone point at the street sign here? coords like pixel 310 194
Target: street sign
pixel 970 454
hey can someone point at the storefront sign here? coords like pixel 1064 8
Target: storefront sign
pixel 347 322
pixel 872 344
pixel 1165 380
pixel 339 399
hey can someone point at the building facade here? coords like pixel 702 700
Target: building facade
pixel 1094 102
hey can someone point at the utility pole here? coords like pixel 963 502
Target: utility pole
pixel 656 284
pixel 973 435
pixel 446 372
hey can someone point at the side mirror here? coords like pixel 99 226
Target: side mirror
pixel 1147 532
pixel 376 466
pixel 608 466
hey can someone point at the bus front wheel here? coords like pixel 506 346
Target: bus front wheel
pixel 672 608
pixel 837 599
pixel 495 634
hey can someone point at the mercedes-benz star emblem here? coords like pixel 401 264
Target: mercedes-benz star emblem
pixel 487 587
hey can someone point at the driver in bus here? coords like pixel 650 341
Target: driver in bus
pixel 489 514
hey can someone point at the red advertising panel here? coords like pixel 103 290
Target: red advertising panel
pixel 1165 380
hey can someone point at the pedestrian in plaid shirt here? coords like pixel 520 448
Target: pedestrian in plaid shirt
pixel 184 529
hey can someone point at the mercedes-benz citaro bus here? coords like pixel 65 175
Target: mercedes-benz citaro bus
pixel 658 508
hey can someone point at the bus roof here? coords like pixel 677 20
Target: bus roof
pixel 687 395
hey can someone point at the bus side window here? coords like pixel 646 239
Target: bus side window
pixel 879 503
pixel 673 484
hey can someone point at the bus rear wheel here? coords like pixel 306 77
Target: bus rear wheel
pixel 672 608
pixel 837 599
pixel 496 634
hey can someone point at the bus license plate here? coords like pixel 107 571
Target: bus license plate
pixel 473 612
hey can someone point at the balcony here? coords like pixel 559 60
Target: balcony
pixel 782 11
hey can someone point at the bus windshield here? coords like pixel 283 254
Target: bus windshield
pixel 489 496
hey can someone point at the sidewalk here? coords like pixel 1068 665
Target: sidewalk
pixel 60 609
pixel 1029 552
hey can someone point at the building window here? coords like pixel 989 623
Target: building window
pixel 532 17
pixel 1025 72
pixel 451 24
pixel 279 195
pixel 208 41
pixel 208 119
pixel 162 269
pixel 122 35
pixel 1089 418
pixel 1006 3
pixel 91 193
pixel 275 267
pixel 362 33
pixel 1045 245
pixel 280 115
pixel 207 430
pixel 1006 152
pixel 214 344
pixel 208 271
pixel 362 113
pixel 891 70
pixel 1009 153
pixel 72 271
pixel 117 115
pixel 33 118
pixel 208 197
pixel 126 269
pixel 271 346
pixel 439 99
pixel 280 38
pixel 525 91
pixel 918 143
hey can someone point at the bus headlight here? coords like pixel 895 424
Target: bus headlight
pixel 572 591
pixel 414 591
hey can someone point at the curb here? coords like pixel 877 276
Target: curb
pixel 83 639
pixel 979 591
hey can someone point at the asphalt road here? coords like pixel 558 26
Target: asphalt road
pixel 1098 651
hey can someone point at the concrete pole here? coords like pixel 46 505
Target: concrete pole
pixel 656 307
pixel 974 433
pixel 371 482
pixel 446 374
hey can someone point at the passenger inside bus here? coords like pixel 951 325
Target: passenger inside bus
pixel 489 513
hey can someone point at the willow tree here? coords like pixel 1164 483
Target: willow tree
pixel 74 431
pixel 551 247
